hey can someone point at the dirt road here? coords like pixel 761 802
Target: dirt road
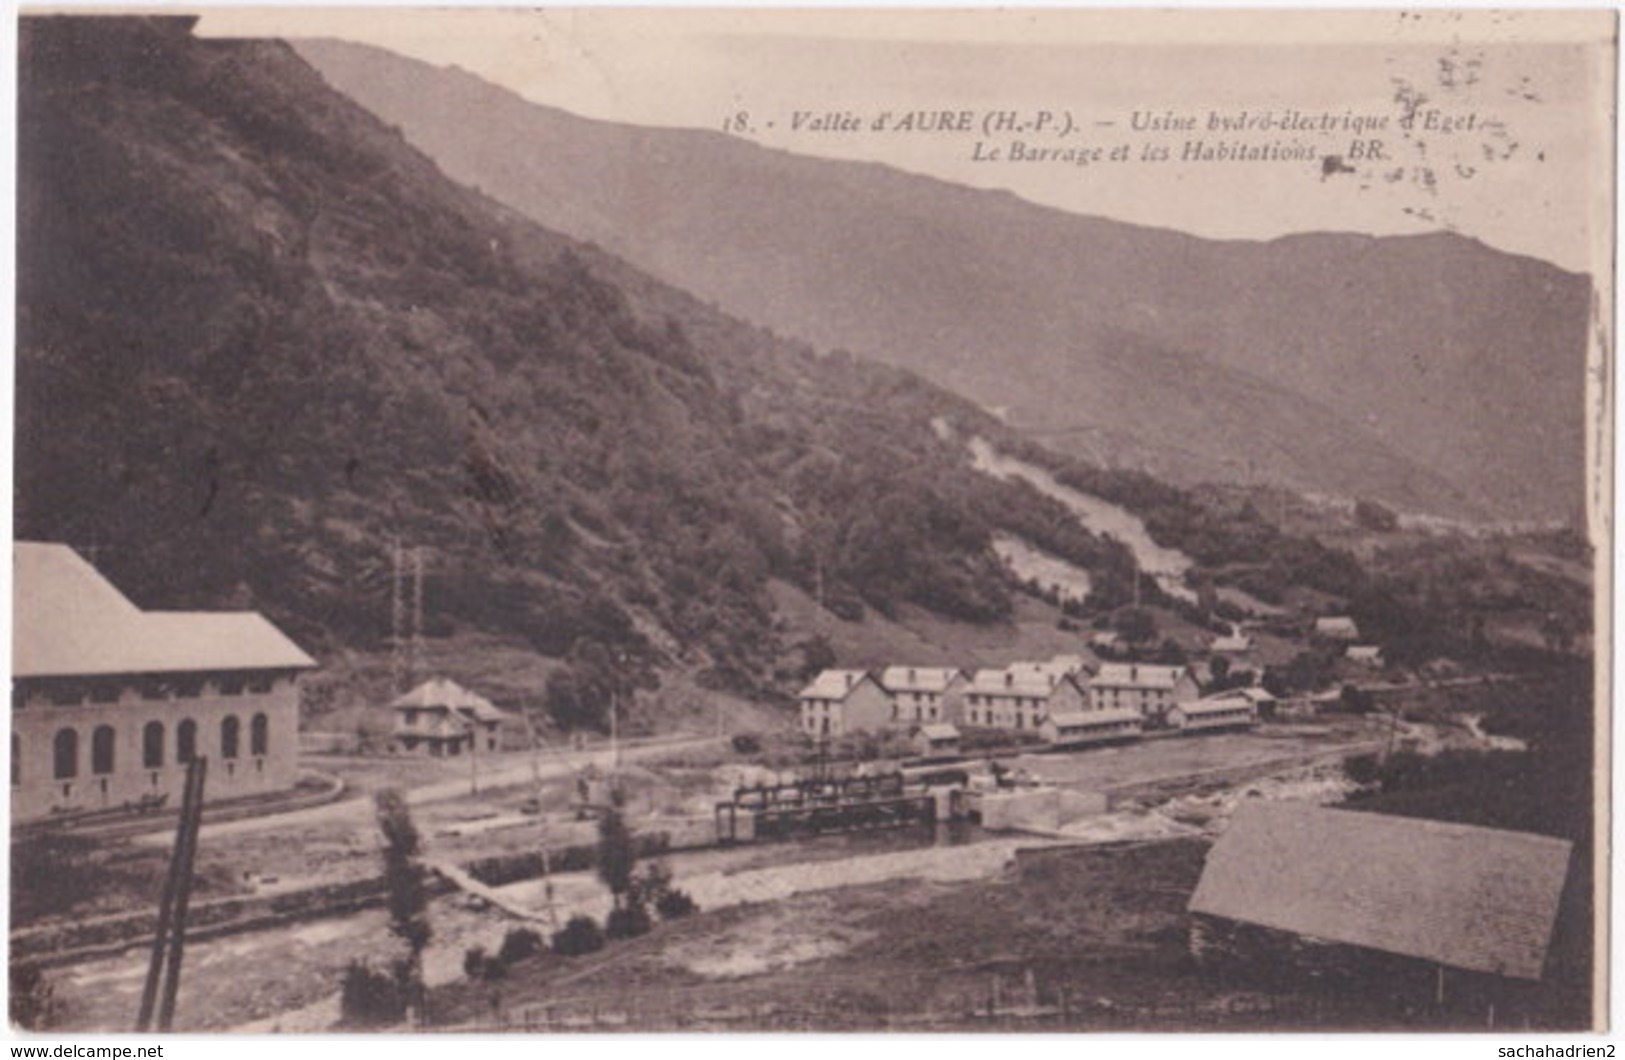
pixel 515 771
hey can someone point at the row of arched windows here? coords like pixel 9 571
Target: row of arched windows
pixel 65 746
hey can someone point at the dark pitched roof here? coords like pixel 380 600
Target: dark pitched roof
pixel 442 692
pixel 1475 898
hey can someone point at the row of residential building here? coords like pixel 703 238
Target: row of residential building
pixel 1020 696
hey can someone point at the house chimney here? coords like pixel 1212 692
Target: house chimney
pixel 1009 679
pixel 851 679
pixel 1133 673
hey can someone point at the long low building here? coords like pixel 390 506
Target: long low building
pixel 1448 895
pixel 1220 713
pixel 110 703
pixel 1084 727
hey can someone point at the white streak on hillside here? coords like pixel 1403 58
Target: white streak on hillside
pixel 1035 565
pixel 1166 565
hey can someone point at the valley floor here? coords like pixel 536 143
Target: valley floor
pixel 286 978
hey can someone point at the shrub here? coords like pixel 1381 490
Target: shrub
pixel 628 922
pixel 477 964
pixel 653 890
pixel 674 904
pixel 746 744
pixel 1362 769
pixel 371 997
pixel 1355 701
pixel 581 935
pixel 32 1000
pixel 520 944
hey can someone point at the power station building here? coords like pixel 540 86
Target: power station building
pixel 109 703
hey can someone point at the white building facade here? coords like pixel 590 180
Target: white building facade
pixel 110 703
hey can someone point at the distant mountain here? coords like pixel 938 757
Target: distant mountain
pixel 261 339
pixel 1430 372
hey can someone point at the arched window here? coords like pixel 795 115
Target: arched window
pixel 16 760
pixel 231 731
pixel 259 735
pixel 65 754
pixel 186 741
pixel 101 750
pixel 152 745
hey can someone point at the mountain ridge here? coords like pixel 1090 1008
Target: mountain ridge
pixel 262 341
pixel 1022 306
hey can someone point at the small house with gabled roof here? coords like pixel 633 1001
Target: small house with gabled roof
pixel 1147 688
pixel 925 694
pixel 1338 628
pixel 441 719
pixel 1022 695
pixel 843 701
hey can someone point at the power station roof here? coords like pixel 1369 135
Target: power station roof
pixel 69 621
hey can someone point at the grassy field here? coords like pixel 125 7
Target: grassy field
pixel 1074 939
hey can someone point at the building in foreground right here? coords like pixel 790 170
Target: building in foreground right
pixel 1418 909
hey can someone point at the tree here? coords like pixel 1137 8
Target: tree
pixel 575 702
pixel 628 922
pixel 817 656
pixel 581 935
pixel 519 944
pixel 617 858
pixel 404 875
pixel 1306 672
pixel 1218 669
pixel 654 890
pixel 370 997
pixel 1136 624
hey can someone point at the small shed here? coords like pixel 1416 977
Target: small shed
pixel 1338 628
pixel 939 740
pixel 1231 644
pixel 1365 655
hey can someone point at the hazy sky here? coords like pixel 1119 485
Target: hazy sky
pixel 1527 167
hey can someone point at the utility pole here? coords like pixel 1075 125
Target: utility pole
pixel 614 711
pixel 169 941
pixel 397 618
pixel 414 658
pixel 536 785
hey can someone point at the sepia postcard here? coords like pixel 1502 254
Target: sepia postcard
pixel 746 520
